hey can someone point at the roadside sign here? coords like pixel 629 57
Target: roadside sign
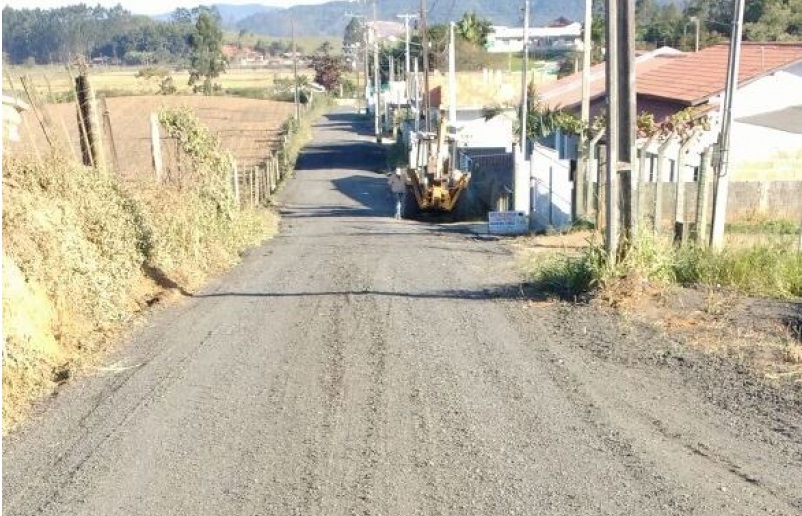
pixel 507 223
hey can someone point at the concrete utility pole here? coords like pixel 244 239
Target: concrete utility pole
pixel 415 88
pixel 723 180
pixel 376 78
pixel 366 38
pixel 452 77
pixel 525 80
pixel 425 42
pixel 621 110
pixel 584 158
pixel 407 65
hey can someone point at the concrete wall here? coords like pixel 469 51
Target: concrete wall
pixel 747 200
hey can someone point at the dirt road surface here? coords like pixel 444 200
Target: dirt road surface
pixel 357 365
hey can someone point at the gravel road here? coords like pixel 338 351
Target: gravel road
pixel 357 365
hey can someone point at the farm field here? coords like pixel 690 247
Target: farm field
pixel 123 80
pixel 246 127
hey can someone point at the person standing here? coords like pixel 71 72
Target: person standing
pixel 399 188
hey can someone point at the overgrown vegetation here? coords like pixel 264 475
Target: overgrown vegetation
pixel 83 252
pixel 770 270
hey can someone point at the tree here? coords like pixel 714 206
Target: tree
pixel 276 48
pixel 207 60
pixel 354 33
pixel 324 48
pixel 328 70
pixel 473 29
pixel 774 20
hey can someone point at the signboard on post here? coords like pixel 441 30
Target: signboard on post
pixel 507 223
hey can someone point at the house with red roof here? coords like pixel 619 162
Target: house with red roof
pixel 767 112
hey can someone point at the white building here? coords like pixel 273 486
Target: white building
pixel 557 37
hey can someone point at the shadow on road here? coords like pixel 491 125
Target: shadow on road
pixel 353 122
pixel 500 292
pixel 370 196
pixel 351 155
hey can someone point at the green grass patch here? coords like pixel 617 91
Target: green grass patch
pixel 770 227
pixel 766 270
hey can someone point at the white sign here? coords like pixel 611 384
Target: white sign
pixel 507 223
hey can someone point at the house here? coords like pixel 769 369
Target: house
pixel 562 35
pixel 668 81
pixel 243 56
pixel 386 31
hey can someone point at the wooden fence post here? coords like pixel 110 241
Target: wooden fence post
pixel 87 107
pixel 156 147
pixel 257 173
pixel 235 183
pixel 107 127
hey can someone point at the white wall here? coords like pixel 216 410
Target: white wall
pixel 771 93
pixel 551 189
pixel 495 132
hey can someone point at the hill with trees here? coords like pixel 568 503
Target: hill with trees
pixel 330 19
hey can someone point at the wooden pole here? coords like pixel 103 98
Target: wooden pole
pixel 251 180
pixel 235 183
pixel 38 110
pixel 107 126
pixel 87 105
pixel 83 139
pixel 156 147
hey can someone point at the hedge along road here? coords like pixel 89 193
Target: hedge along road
pixel 359 365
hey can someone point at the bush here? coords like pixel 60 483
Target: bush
pixel 153 71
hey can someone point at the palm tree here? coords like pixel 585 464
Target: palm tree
pixel 473 29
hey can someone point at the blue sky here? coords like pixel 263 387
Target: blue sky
pixel 151 6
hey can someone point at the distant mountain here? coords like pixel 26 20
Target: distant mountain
pixel 231 14
pixel 330 19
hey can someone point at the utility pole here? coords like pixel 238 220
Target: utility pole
pixel 452 77
pixel 376 77
pixel 525 80
pixel 425 42
pixel 621 115
pixel 521 174
pixel 415 88
pixel 407 66
pixel 582 165
pixel 366 38
pixel 295 71
pixel 723 180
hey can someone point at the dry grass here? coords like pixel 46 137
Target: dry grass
pixel 715 314
pixel 83 253
pixel 123 80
